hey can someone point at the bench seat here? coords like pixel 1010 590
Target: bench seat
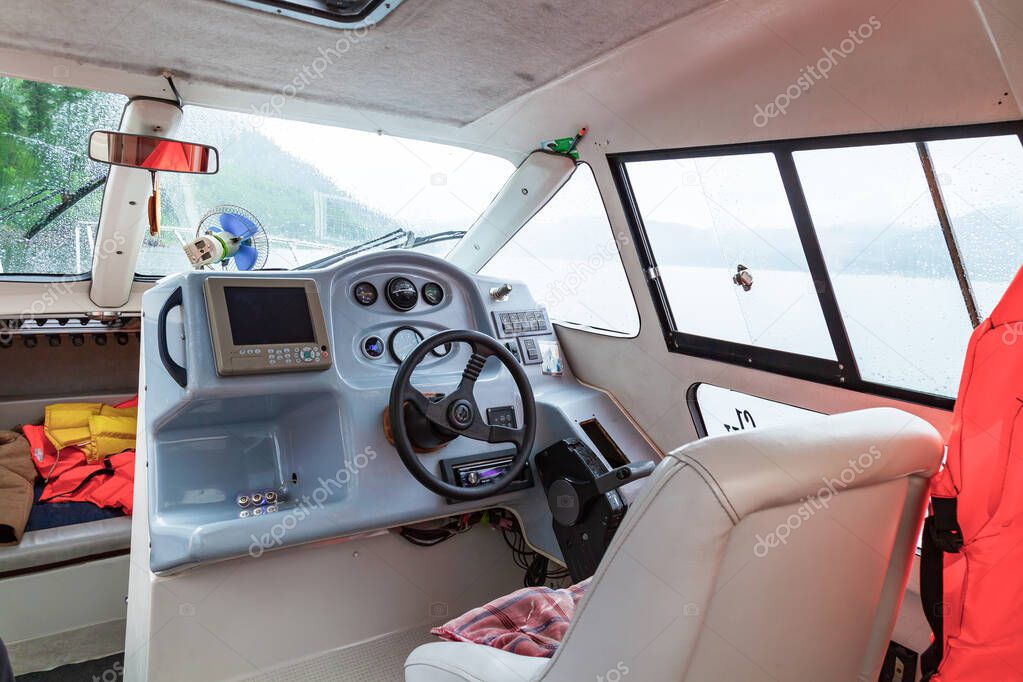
pixel 55 546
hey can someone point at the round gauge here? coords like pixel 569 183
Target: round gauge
pixel 403 341
pixel 402 294
pixel 365 293
pixel 373 347
pixel 433 293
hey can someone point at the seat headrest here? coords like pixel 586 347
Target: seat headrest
pixel 771 466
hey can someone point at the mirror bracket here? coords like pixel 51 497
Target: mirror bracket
pixel 154 207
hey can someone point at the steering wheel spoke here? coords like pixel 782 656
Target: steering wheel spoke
pixel 503 434
pixel 472 370
pixel 434 410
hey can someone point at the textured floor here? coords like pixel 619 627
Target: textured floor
pixel 108 668
pixel 378 660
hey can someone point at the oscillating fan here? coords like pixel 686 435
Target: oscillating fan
pixel 231 236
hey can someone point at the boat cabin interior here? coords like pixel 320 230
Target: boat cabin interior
pixel 455 340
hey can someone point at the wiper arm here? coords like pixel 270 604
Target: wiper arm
pixel 67 201
pixel 406 239
pixel 376 242
pixel 431 238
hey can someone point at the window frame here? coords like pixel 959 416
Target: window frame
pixel 319 12
pixel 843 372
pixel 618 247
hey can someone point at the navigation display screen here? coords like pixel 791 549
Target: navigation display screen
pixel 266 315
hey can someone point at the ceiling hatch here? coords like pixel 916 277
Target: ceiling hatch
pixel 334 13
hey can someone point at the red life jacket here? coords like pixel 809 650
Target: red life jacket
pixel 972 564
pixel 70 477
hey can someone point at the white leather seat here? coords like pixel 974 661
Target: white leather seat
pixel 772 554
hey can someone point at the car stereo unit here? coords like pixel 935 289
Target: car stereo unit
pixel 265 326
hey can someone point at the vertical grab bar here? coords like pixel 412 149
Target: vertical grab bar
pixel 177 372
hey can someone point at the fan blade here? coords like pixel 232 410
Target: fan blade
pixel 237 225
pixel 246 257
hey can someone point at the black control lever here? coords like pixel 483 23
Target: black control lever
pixel 569 497
pixel 616 478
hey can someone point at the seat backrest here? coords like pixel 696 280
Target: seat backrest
pixel 771 554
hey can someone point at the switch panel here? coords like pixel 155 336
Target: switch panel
pixel 530 351
pixel 502 416
pixel 521 323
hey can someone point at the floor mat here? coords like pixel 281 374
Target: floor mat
pixel 110 668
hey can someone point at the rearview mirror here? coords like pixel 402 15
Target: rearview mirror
pixel 152 153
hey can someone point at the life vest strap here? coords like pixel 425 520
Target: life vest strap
pixel 107 470
pixel 945 530
pixel 942 535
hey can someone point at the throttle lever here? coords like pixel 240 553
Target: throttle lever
pixel 569 497
pixel 623 475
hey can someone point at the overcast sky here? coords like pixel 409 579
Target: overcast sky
pixel 420 182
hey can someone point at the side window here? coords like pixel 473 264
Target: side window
pixel 893 278
pixel 918 233
pixel 717 411
pixel 982 184
pixel 703 225
pixel 567 256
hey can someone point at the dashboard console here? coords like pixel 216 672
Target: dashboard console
pixel 279 381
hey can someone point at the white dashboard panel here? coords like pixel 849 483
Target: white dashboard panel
pixel 317 437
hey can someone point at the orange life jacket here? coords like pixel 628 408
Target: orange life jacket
pixel 972 564
pixel 70 477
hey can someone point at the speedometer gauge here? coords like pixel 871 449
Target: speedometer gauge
pixel 402 342
pixel 401 294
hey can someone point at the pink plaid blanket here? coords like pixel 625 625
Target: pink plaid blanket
pixel 529 622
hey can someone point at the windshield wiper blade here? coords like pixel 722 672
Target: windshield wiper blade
pixel 376 242
pixel 69 199
pixel 406 239
pixel 26 202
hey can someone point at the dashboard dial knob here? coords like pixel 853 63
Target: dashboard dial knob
pixel 402 294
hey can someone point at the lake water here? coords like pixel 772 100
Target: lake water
pixel 907 332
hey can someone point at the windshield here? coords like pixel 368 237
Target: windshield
pixel 49 189
pixel 318 190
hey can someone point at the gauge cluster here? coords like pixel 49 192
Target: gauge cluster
pixel 401 293
pixel 397 311
pixel 397 344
